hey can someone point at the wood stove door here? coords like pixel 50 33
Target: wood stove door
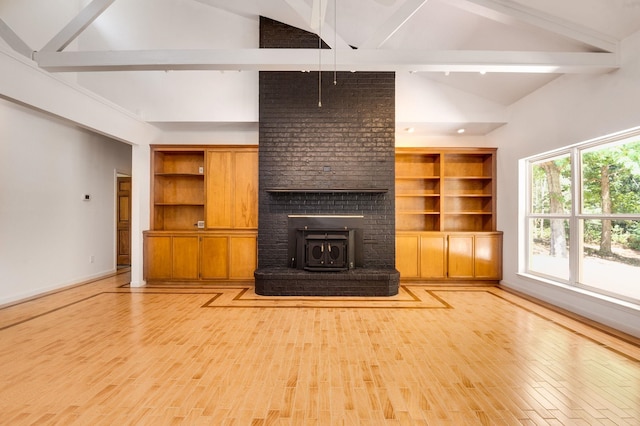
pixel 324 252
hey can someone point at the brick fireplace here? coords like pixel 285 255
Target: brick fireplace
pixel 334 161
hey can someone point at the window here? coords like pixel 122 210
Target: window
pixel 583 216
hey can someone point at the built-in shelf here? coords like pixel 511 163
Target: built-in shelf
pixel 327 191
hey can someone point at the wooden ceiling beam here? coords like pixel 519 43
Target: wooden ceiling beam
pixel 348 60
pixel 14 41
pixel 393 24
pixel 510 11
pixel 77 25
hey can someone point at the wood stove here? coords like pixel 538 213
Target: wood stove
pixel 325 242
pixel 326 250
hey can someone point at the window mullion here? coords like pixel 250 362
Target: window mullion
pixel 576 230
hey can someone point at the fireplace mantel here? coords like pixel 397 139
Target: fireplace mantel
pixel 327 190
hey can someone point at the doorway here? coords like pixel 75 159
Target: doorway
pixel 123 221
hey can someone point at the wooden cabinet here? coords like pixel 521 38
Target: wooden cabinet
pixel 488 256
pixel 157 257
pixel 446 214
pixel 232 186
pixel 204 213
pixel 432 259
pixel 460 256
pixel 215 255
pixel 457 256
pixel 230 256
pixel 407 255
pixel 198 256
pixel 184 257
pixel 171 257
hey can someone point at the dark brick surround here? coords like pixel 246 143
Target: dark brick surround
pixel 335 159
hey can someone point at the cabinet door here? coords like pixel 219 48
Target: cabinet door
pixel 460 263
pixel 407 255
pixel 158 258
pixel 433 255
pixel 243 257
pixel 219 182
pixel 245 190
pixel 488 256
pixel 214 257
pixel 185 258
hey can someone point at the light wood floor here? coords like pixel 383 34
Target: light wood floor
pixel 103 353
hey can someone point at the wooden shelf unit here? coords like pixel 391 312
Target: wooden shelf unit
pixel 178 183
pixel 204 211
pixel 445 205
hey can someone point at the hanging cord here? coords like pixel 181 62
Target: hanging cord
pixel 335 42
pixel 320 53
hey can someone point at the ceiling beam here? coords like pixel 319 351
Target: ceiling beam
pixel 349 60
pixel 77 25
pixel 13 40
pixel 318 13
pixel 24 83
pixel 309 14
pixel 393 24
pixel 510 11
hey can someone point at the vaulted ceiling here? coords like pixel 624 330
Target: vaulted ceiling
pixel 496 51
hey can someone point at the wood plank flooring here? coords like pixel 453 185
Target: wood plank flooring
pixel 106 354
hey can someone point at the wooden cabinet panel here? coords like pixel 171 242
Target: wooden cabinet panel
pixel 460 255
pixel 243 257
pixel 245 205
pixel 158 258
pixel 185 258
pixel 407 255
pixel 232 189
pixel 433 256
pixel 214 255
pixel 488 256
pixel 219 189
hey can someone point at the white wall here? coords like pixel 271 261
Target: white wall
pixel 568 110
pixel 174 96
pixel 48 233
pixel 420 99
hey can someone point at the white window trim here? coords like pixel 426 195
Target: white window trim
pixel 576 217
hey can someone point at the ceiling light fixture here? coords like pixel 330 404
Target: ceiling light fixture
pixel 461 131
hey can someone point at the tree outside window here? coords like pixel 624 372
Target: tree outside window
pixel 603 227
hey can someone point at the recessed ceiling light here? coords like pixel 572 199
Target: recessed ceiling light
pixel 460 131
pixel 483 72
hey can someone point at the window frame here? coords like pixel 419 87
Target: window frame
pixel 576 217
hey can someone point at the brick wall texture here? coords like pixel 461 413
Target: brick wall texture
pixel 346 144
